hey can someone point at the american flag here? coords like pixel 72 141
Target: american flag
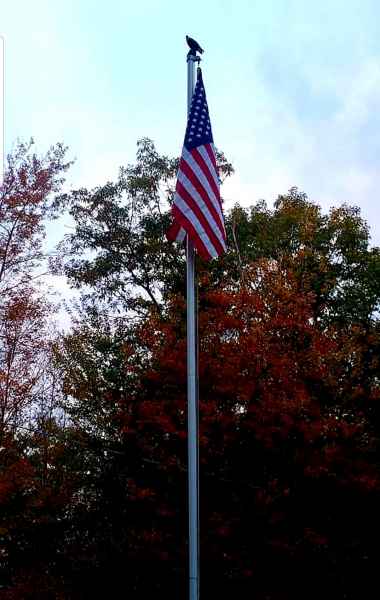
pixel 197 206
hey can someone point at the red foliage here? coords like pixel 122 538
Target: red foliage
pixel 275 439
pixel 26 200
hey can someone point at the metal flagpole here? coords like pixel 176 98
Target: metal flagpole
pixel 192 388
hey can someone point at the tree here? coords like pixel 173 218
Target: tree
pixel 284 464
pixel 272 448
pixel 28 196
pixel 289 389
pixel 289 342
pixel 330 253
pixel 23 350
pixel 119 248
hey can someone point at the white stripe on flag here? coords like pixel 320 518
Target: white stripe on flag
pixel 204 182
pixel 202 207
pixel 188 214
pixel 204 154
pixel 181 235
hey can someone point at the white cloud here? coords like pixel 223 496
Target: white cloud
pixel 332 156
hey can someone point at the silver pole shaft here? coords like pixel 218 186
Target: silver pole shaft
pixel 192 392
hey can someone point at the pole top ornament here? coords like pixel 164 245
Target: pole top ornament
pixel 194 48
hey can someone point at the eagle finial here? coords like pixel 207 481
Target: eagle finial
pixel 194 47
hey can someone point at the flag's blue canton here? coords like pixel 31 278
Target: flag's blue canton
pixel 198 130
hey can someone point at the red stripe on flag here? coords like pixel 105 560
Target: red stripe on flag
pixel 192 204
pixel 211 154
pixel 190 229
pixel 187 170
pixel 201 163
pixel 210 151
pixel 173 231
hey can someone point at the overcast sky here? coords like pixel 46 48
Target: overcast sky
pixel 293 88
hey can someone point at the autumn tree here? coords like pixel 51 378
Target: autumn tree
pixel 283 465
pixel 289 389
pixel 330 254
pixel 28 197
pixel 119 258
pixel 289 372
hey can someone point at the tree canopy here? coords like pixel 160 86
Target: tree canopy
pixel 96 502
